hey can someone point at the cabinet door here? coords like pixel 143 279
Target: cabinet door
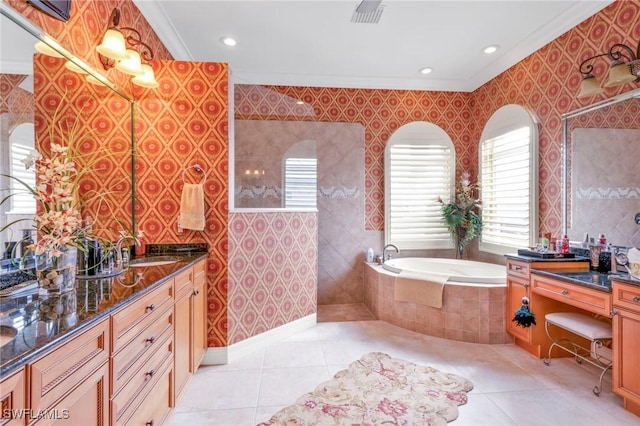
pixel 12 401
pixel 87 404
pixel 626 354
pixel 516 290
pixel 182 360
pixel 199 324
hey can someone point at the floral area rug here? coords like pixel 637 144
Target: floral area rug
pixel 379 390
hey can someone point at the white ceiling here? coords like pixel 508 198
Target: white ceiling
pixel 314 43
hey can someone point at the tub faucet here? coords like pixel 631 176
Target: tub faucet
pixel 384 250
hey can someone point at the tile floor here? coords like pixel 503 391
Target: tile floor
pixel 511 386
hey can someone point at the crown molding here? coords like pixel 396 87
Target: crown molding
pixel 157 17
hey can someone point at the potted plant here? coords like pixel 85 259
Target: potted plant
pixel 462 215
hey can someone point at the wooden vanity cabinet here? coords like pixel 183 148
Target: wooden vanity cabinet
pixel 199 311
pixel 626 344
pixel 12 402
pixel 123 370
pixel 190 336
pixel 517 288
pixel 521 283
pixel 142 353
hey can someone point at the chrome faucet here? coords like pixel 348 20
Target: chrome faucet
pixel 120 262
pixel 384 250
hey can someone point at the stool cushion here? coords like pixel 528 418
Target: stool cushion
pixel 581 324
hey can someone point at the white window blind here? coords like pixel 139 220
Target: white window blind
pixel 506 184
pixel 301 183
pixel 419 173
pixel 22 202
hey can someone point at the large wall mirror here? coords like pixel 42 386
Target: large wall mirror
pixel 602 171
pixel 45 91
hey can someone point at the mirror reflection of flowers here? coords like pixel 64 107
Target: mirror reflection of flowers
pixel 58 220
pixel 462 216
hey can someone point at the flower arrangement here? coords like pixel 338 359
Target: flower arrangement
pixel 461 216
pixel 59 222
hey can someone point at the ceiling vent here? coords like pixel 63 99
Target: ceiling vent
pixel 368 12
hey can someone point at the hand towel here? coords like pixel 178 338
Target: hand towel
pixel 192 207
pixel 420 288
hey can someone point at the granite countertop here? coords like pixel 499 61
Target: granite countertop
pixel 592 279
pixel 43 322
pixel 530 259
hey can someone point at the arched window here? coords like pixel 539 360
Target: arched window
pixel 508 174
pixel 419 168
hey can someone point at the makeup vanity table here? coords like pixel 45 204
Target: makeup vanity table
pixel 567 285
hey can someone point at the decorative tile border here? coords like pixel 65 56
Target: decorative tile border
pixel 338 191
pixel 605 193
pixel 261 191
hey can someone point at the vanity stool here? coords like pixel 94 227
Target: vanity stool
pixel 598 332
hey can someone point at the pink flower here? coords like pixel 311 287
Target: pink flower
pixel 333 410
pixel 311 404
pixel 394 408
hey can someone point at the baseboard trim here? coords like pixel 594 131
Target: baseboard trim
pixel 228 354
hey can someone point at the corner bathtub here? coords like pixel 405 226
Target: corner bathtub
pixel 473 305
pixel 460 271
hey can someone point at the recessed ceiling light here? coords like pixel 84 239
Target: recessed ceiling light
pixel 425 70
pixel 228 41
pixel 491 49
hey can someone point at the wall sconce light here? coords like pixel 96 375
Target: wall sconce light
pixel 625 67
pixel 118 50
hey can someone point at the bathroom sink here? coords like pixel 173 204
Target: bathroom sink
pixel 7 334
pixel 153 261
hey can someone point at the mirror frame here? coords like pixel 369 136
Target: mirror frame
pixel 565 143
pixel 41 35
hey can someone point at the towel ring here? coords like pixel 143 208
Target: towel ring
pixel 197 168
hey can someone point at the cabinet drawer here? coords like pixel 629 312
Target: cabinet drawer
pixel 135 354
pixel 572 294
pixel 184 283
pixel 56 373
pixel 141 382
pixel 519 269
pixel 626 296
pixel 130 321
pixel 155 408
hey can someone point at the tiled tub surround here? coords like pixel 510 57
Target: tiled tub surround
pixel 470 313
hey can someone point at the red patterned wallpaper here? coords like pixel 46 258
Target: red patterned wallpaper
pixel 181 123
pixel 545 82
pixel 273 268
pixel 103 139
pixel 15 100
